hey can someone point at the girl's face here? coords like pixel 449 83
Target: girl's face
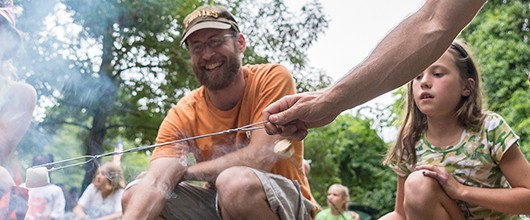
pixel 439 89
pixel 335 196
pixel 100 180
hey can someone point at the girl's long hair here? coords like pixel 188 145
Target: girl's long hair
pixel 114 175
pixel 469 112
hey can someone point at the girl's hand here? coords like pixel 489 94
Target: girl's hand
pixel 451 187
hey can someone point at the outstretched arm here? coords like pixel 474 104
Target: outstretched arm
pixel 407 50
pixel 15 117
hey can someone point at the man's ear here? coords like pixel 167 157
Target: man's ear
pixel 241 43
pixel 468 88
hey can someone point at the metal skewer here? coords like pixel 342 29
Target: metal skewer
pixel 249 127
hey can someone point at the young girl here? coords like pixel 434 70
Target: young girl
pixel 102 198
pixel 337 199
pixel 453 160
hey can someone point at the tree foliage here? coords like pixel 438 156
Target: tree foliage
pixel 349 151
pixel 115 67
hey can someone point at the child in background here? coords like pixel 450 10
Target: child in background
pixel 453 160
pixel 102 198
pixel 337 199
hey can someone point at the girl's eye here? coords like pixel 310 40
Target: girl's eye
pixel 419 77
pixel 438 74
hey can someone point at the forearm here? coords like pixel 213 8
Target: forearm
pixel 507 200
pixel 79 213
pixel 404 53
pixel 209 170
pixel 258 154
pixel 150 194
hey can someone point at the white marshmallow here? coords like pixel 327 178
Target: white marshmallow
pixel 283 149
pixel 37 177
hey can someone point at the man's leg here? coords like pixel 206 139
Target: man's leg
pixel 186 202
pixel 425 199
pixel 244 193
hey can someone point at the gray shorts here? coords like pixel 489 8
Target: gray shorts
pixel 193 202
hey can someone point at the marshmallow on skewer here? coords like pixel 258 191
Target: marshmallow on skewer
pixel 37 177
pixel 283 149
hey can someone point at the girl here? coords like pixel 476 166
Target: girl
pixel 337 199
pixel 453 160
pixel 102 199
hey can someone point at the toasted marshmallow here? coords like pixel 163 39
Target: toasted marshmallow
pixel 283 149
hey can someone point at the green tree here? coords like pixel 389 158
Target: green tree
pixel 349 151
pixel 115 67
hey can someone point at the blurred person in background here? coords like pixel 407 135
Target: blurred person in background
pixel 102 198
pixel 337 200
pixel 17 102
pixel 45 202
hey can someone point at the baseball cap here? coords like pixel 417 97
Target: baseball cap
pixel 208 16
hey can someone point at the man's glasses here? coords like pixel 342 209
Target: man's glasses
pixel 213 42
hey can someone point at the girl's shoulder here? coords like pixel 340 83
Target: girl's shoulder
pixel 492 120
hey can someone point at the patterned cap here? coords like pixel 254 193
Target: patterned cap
pixel 215 17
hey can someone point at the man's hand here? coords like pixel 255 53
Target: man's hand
pixel 292 115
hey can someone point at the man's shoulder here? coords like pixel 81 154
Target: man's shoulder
pixel 268 72
pixel 265 68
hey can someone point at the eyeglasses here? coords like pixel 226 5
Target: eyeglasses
pixel 213 42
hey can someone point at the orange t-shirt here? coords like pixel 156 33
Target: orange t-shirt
pixel 195 115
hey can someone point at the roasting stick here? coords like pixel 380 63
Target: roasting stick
pixel 38 176
pixel 249 127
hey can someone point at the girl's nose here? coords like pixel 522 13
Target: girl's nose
pixel 426 81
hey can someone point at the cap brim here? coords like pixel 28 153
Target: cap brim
pixel 204 25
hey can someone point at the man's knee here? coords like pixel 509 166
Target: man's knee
pixel 237 181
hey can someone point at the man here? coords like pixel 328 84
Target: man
pixel 240 168
pixel 405 52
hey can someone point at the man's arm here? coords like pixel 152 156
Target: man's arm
pixel 149 196
pixel 406 51
pixel 258 154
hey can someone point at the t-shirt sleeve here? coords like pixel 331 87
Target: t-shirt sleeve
pixel 169 131
pixel 500 135
pixel 117 201
pixel 86 197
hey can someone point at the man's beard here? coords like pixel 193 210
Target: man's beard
pixel 232 67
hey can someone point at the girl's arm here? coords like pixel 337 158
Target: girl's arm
pixel 399 212
pixel 79 213
pixel 513 200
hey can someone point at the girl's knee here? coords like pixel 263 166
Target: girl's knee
pixel 420 189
